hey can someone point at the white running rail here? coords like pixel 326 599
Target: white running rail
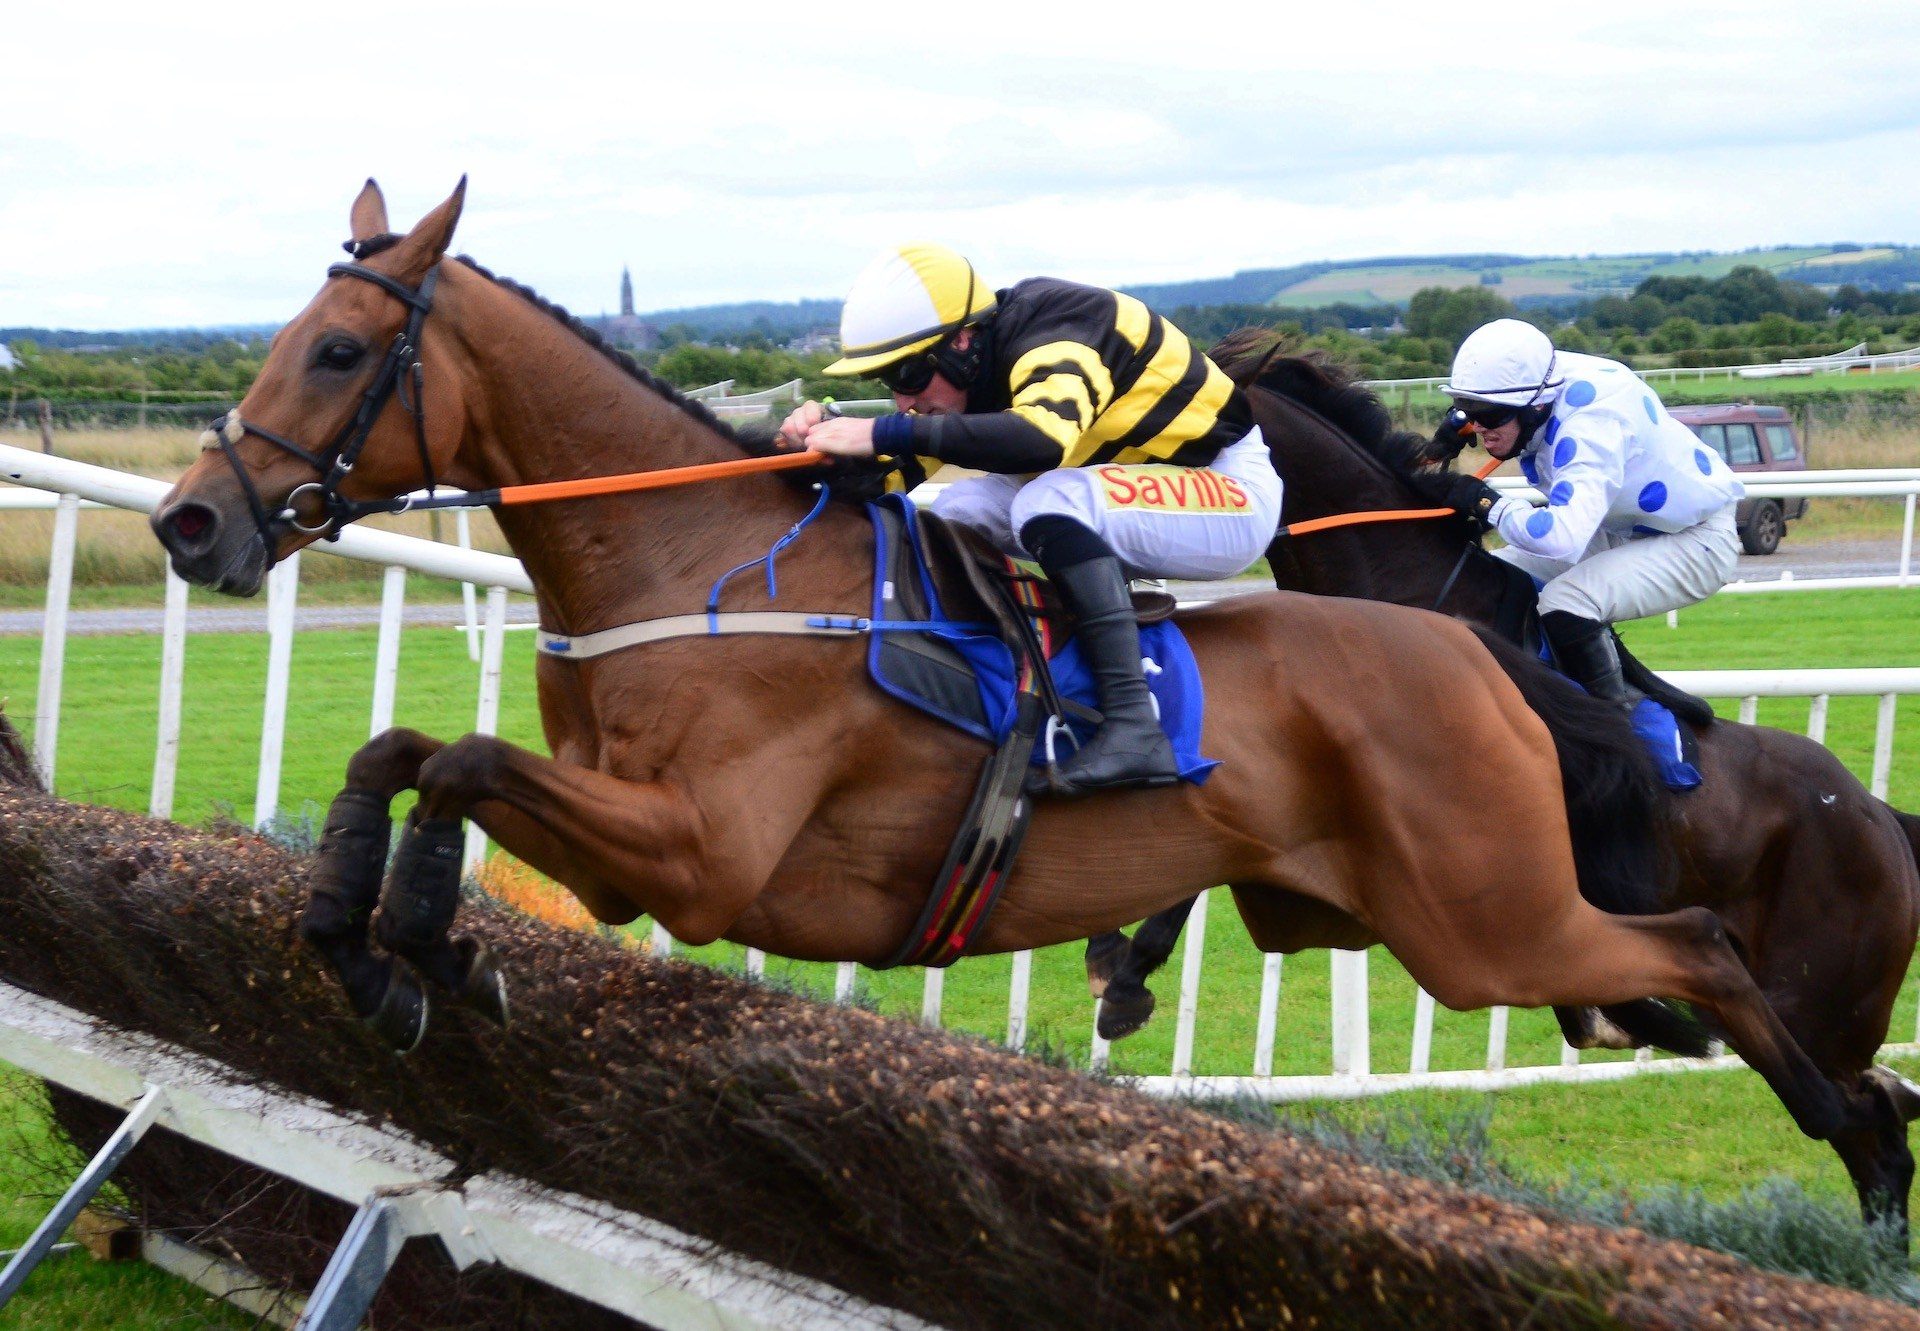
pixel 1352 1070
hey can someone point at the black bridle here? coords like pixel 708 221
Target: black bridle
pixel 400 375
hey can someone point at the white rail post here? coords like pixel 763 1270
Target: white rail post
pixel 1883 746
pixel 173 674
pixel 487 714
pixel 756 962
pixel 932 991
pixel 1101 1050
pixel 1749 709
pixel 1352 1055
pixel 1423 1006
pixel 53 635
pixel 843 978
pixel 1906 540
pixel 1190 963
pixel 463 525
pixel 1269 1015
pixel 1496 1039
pixel 283 591
pixel 386 655
pixel 1817 719
pixel 1018 995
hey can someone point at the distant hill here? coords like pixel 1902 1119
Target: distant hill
pixel 190 340
pixel 779 322
pixel 1375 282
pixel 1392 281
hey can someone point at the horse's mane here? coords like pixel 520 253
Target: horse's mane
pixel 1253 357
pixel 847 479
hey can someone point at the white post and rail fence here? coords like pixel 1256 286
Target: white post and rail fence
pixel 1351 1068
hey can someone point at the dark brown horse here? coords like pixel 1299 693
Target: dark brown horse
pixel 760 790
pixel 1814 879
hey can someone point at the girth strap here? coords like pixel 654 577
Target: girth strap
pixel 794 623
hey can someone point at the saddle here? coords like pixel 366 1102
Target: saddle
pixel 983 659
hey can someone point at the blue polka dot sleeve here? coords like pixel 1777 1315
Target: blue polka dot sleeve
pixel 1580 469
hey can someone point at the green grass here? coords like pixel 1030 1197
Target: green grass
pixel 73 1290
pixel 1721 1132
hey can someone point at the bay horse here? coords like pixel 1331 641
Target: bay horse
pixel 1816 882
pixel 759 789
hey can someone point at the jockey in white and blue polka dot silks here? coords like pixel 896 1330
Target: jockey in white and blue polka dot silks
pixel 1639 517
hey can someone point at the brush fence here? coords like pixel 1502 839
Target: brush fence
pixel 1350 1069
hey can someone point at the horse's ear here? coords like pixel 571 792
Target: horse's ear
pixel 427 242
pixel 369 214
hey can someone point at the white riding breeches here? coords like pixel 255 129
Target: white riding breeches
pixel 1621 577
pixel 1162 521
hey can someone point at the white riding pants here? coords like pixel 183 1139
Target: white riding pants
pixel 1620 576
pixel 1162 521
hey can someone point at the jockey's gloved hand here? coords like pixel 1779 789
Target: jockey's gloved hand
pixel 1468 496
pixel 1454 434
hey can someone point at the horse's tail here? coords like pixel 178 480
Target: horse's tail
pixel 1617 814
pixel 1616 810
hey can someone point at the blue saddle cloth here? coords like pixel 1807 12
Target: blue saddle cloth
pixel 961 671
pixel 1658 729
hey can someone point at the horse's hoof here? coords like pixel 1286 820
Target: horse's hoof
pixel 1103 961
pixel 1121 1017
pixel 484 986
pixel 401 1018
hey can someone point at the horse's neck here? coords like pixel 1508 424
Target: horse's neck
pixel 1404 562
pixel 557 409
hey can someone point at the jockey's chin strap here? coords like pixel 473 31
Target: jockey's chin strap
pixel 400 374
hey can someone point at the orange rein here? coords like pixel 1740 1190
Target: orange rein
pixel 655 480
pixel 1312 525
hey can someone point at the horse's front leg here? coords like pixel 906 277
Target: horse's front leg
pixel 347 876
pixel 620 846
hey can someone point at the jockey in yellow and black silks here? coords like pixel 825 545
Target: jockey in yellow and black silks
pixel 1113 449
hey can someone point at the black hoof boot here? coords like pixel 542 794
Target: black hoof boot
pixel 1124 1010
pixel 347 869
pixel 400 1020
pixel 483 985
pixel 1105 953
pixel 423 886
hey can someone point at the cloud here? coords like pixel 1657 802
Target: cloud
pixel 161 169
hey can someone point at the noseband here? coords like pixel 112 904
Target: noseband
pixel 400 374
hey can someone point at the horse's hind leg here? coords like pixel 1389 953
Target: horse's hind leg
pixel 1126 1004
pixel 1877 1156
pixel 1686 955
pixel 346 882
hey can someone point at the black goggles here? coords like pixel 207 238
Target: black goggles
pixel 911 375
pixel 1487 415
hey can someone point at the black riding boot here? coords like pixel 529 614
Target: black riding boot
pixel 1585 652
pixel 1129 748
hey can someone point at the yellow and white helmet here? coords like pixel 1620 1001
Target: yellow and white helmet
pixel 907 300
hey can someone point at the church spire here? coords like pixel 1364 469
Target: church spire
pixel 626 294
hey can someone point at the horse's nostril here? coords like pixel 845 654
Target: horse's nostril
pixel 190 522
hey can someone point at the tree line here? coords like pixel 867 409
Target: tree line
pixel 1749 315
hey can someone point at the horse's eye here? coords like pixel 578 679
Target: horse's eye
pixel 341 355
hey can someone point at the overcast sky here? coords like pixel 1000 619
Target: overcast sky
pixel 177 165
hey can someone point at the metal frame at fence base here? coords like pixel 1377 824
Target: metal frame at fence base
pixel 631 1264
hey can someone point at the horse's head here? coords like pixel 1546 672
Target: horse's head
pixel 359 400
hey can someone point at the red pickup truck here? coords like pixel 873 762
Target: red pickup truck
pixel 1752 439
